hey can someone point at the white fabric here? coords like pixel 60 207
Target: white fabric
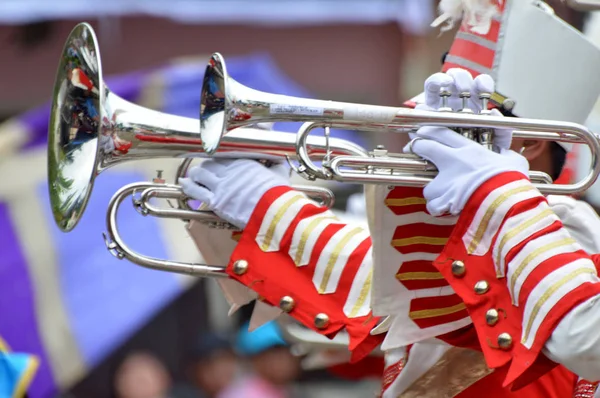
pixel 536 47
pixel 580 219
pixel 232 188
pixel 575 343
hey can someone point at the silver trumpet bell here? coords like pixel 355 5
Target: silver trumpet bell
pixel 227 105
pixel 92 129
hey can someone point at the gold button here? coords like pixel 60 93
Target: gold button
pixel 240 267
pixel 491 317
pixel 458 268
pixel 505 341
pixel 321 321
pixel 482 287
pixel 287 304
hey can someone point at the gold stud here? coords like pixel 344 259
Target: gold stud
pixel 505 341
pixel 482 287
pixel 321 321
pixel 492 317
pixel 287 304
pixel 458 268
pixel 240 267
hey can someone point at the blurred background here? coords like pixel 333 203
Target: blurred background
pixel 107 328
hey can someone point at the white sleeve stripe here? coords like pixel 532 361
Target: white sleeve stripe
pixel 517 229
pixel 359 299
pixel 306 235
pixel 491 198
pixel 334 257
pixel 482 230
pixel 550 290
pixel 525 262
pixel 278 218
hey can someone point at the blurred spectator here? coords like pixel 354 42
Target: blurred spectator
pixel 141 375
pixel 214 365
pixel 273 367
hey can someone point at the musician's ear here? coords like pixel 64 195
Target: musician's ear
pixel 533 149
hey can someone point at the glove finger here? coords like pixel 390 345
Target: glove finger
pixel 201 175
pixel 281 169
pixel 445 136
pixel 195 191
pixel 517 161
pixel 502 137
pixel 462 81
pixel 431 150
pixel 439 199
pixel 437 207
pixel 218 166
pixel 483 84
pixel 433 84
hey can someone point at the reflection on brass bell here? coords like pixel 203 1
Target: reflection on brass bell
pixel 287 304
pixel 458 268
pixel 491 317
pixel 321 321
pixel 240 267
pixel 505 341
pixel 482 287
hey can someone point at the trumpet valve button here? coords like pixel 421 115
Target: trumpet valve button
pixel 445 94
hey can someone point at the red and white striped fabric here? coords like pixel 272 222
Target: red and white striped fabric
pixel 473 51
pixel 525 264
pixel 407 288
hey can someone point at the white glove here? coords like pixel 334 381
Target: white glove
pixel 463 166
pixel 233 188
pixel 456 81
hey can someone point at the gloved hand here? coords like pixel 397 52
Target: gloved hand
pixel 463 164
pixel 456 81
pixel 233 188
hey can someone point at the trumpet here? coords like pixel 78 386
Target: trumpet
pixel 116 244
pixel 227 105
pixel 92 129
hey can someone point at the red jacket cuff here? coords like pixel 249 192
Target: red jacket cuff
pixel 274 275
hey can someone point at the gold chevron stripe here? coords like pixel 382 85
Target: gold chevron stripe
pixel 419 240
pixel 424 314
pixel 418 276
